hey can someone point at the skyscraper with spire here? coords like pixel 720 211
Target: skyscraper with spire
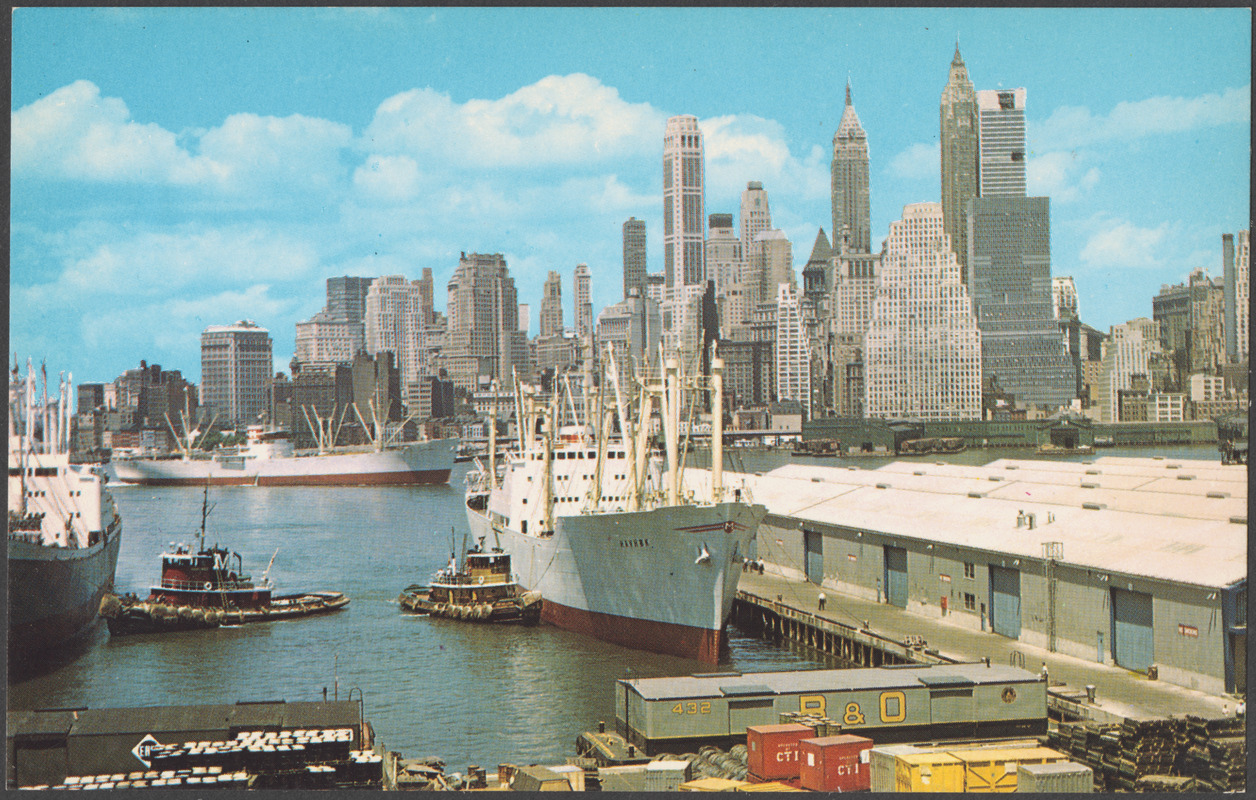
pixel 960 165
pixel 851 216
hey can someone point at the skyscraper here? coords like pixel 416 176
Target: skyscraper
pixel 683 215
pixel 236 371
pixel 346 297
pixel 634 256
pixel 1009 280
pixel 1128 351
pixel 959 155
pixel 755 218
pixel 483 338
pixel 792 356
pixel 584 301
pixel 851 215
pixel 1064 297
pixel 1236 260
pixel 923 348
pixel 1001 127
pixel 552 306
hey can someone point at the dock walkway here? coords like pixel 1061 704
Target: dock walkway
pixel 1119 692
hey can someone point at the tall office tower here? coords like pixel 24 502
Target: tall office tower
pixel 771 265
pixel 1009 280
pixel 394 317
pixel 634 256
pixel 418 325
pixel 483 337
pixel 683 214
pixel 1064 297
pixel 923 348
pixel 656 287
pixel 1001 142
pixel 851 215
pixel 346 297
pixel 633 328
pixel 1236 259
pixel 1191 320
pixel 237 368
pixel 427 296
pixel 324 338
pixel 525 318
pixel 725 266
pixel 1128 351
pixel 552 306
pixel 584 301
pixel 854 287
pixel 959 155
pixel 755 218
pixel 792 356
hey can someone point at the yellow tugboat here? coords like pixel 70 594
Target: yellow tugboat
pixel 482 590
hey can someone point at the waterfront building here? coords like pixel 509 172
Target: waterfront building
pixel 483 336
pixel 634 256
pixel 755 217
pixel 959 139
pixel 1191 318
pixel 1001 142
pixel 1064 297
pixel 922 354
pixel 849 181
pixel 683 213
pixel 581 291
pixel 552 306
pixel 792 354
pixel 1009 279
pixel 1128 351
pixel 237 366
pixel 1236 260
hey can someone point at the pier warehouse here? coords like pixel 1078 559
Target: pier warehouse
pixel 1137 562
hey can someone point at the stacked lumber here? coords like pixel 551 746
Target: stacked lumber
pixel 1148 747
pixel 1164 783
pixel 1217 753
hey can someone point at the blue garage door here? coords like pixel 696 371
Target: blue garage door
pixel 814 555
pixel 1005 601
pixel 896 576
pixel 1131 629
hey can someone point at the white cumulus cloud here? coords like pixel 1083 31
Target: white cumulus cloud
pixel 1119 243
pixel 745 147
pixel 286 154
pixel 1061 175
pixel 918 162
pixel 1075 126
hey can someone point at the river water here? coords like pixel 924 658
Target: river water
pixel 471 694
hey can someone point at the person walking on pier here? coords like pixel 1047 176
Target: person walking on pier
pixel 1045 678
pixel 822 599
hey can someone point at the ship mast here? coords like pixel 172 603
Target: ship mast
pixel 547 456
pixel 492 437
pixel 717 426
pixel 671 426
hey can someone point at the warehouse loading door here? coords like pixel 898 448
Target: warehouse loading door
pixel 896 576
pixel 1005 601
pixel 813 553
pixel 1131 630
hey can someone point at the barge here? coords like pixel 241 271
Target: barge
pixel 904 703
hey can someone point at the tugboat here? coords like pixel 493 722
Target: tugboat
pixel 206 589
pixel 483 590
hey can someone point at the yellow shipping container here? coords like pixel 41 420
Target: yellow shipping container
pixel 995 770
pixel 711 785
pixel 928 772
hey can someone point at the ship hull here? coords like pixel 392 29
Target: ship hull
pixel 55 593
pixel 661 580
pixel 410 464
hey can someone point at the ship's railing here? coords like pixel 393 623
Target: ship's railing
pixel 205 586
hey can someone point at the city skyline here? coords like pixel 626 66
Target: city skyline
pixel 257 152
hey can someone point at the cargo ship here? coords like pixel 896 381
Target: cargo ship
pixel 207 588
pixel 268 458
pixel 64 529
pixel 604 533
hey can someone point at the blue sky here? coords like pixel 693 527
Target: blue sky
pixel 178 168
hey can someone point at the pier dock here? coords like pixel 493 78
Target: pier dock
pixel 867 633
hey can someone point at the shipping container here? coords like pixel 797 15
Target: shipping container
pixel 712 785
pixel 772 750
pixel 770 786
pixel 994 770
pixel 573 774
pixel 835 764
pixel 665 776
pixel 1061 777
pixel 928 772
pixel 881 765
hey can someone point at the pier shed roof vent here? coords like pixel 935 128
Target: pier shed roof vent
pixel 753 689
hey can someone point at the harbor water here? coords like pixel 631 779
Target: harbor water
pixel 470 694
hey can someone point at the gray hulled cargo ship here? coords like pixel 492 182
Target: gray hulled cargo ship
pixel 63 527
pixel 601 529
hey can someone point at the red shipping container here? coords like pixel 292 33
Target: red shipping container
pixel 835 763
pixel 772 750
pixel 791 782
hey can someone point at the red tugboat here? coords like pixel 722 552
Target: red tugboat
pixel 206 589
pixel 483 590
